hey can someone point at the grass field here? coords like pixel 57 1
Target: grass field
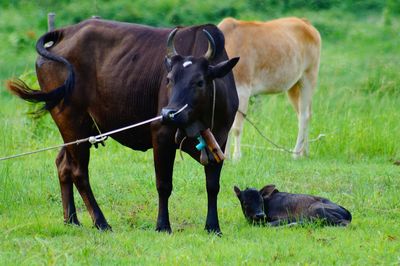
pixel 356 106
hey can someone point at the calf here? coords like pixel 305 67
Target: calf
pixel 276 208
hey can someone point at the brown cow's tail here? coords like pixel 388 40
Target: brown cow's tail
pixel 54 97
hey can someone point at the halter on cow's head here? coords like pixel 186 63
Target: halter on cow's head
pixel 190 82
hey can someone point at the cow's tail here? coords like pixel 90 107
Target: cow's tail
pixel 55 96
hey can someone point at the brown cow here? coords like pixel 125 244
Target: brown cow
pixel 120 74
pixel 277 56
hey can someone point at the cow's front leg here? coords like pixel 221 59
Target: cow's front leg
pixel 164 156
pixel 212 183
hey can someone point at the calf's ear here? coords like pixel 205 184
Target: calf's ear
pixel 223 68
pixel 268 191
pixel 237 191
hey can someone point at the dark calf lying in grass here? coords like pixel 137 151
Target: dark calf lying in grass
pixel 274 208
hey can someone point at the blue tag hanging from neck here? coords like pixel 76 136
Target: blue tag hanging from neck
pixel 202 143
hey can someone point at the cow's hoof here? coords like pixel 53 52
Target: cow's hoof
pixel 297 155
pixel 72 221
pixel 103 227
pixel 214 230
pixel 164 229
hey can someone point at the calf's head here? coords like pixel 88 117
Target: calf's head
pixel 190 84
pixel 252 204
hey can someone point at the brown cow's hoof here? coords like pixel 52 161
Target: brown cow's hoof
pixel 103 227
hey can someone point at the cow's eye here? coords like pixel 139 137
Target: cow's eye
pixel 200 83
pixel 168 80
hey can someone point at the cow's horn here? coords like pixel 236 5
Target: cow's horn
pixel 170 44
pixel 211 46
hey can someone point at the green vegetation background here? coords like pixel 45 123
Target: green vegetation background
pixel 356 105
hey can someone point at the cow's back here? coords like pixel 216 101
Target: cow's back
pixel 118 69
pixel 283 205
pixel 290 206
pixel 120 72
pixel 273 54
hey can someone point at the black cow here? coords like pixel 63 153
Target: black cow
pixel 275 208
pixel 117 74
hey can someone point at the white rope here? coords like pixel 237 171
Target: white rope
pixel 213 106
pixel 92 139
pixel 79 141
pixel 177 112
pixel 100 137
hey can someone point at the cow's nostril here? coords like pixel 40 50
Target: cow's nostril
pixel 167 114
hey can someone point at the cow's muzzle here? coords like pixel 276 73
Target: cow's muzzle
pixel 174 115
pixel 168 115
pixel 259 217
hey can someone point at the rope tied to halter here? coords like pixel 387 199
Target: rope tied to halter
pixel 92 139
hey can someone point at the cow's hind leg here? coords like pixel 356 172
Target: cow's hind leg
pixel 64 168
pixel 301 97
pixel 73 162
pixel 294 97
pixel 80 176
pixel 237 127
pixel 332 214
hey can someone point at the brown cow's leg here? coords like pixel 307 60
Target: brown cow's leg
pixel 300 97
pixel 237 127
pixel 164 157
pixel 304 116
pixel 67 196
pixel 294 95
pixel 80 176
pixel 212 183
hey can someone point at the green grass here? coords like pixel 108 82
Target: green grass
pixel 356 105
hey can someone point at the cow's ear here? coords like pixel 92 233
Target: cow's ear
pixel 223 68
pixel 237 191
pixel 268 191
pixel 168 63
